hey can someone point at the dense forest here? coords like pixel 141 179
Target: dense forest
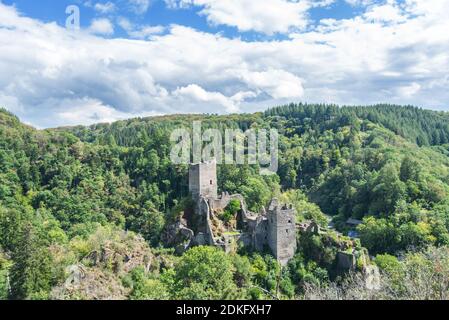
pixel 95 201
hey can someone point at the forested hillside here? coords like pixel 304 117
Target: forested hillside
pixel 423 127
pixel 96 201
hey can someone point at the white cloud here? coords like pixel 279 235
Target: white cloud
pixel 279 84
pixel 409 90
pixel 145 32
pixel 125 24
pixel 178 4
pixel 105 8
pixel 194 94
pixel 140 6
pixel 139 31
pixel 269 16
pixel 50 76
pixel 101 26
pixel 81 110
pixel 359 2
pixel 387 13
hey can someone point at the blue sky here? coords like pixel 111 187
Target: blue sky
pixel 134 58
pixel 159 13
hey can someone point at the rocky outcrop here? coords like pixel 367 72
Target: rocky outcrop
pixel 90 284
pixel 97 276
pixel 179 236
pixel 372 277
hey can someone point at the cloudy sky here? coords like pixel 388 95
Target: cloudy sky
pixel 149 57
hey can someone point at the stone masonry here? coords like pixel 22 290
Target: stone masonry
pixel 203 180
pixel 272 229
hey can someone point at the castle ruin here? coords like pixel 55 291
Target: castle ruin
pixel 272 229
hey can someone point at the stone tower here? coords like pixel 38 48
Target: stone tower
pixel 203 180
pixel 281 231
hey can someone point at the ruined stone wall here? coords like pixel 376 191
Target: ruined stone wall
pixel 275 228
pixel 281 232
pixel 223 201
pixel 194 180
pixel 205 213
pixel 260 233
pixel 200 223
pixel 246 240
pixel 346 261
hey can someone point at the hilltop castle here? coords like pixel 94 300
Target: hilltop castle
pixel 273 228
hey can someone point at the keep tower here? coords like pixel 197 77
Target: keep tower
pixel 203 180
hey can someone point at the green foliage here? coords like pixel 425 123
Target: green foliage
pixel 231 210
pixel 149 223
pixel 387 263
pixel 269 280
pixel 31 273
pixel 243 271
pixel 378 235
pixel 423 127
pixel 268 276
pixel 145 288
pixel 204 273
pixel 305 209
pixel 321 249
pixel 302 272
pixel 256 189
pixel 409 227
pixel 387 192
pixel 65 192
pixel 5 264
pixel 416 276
